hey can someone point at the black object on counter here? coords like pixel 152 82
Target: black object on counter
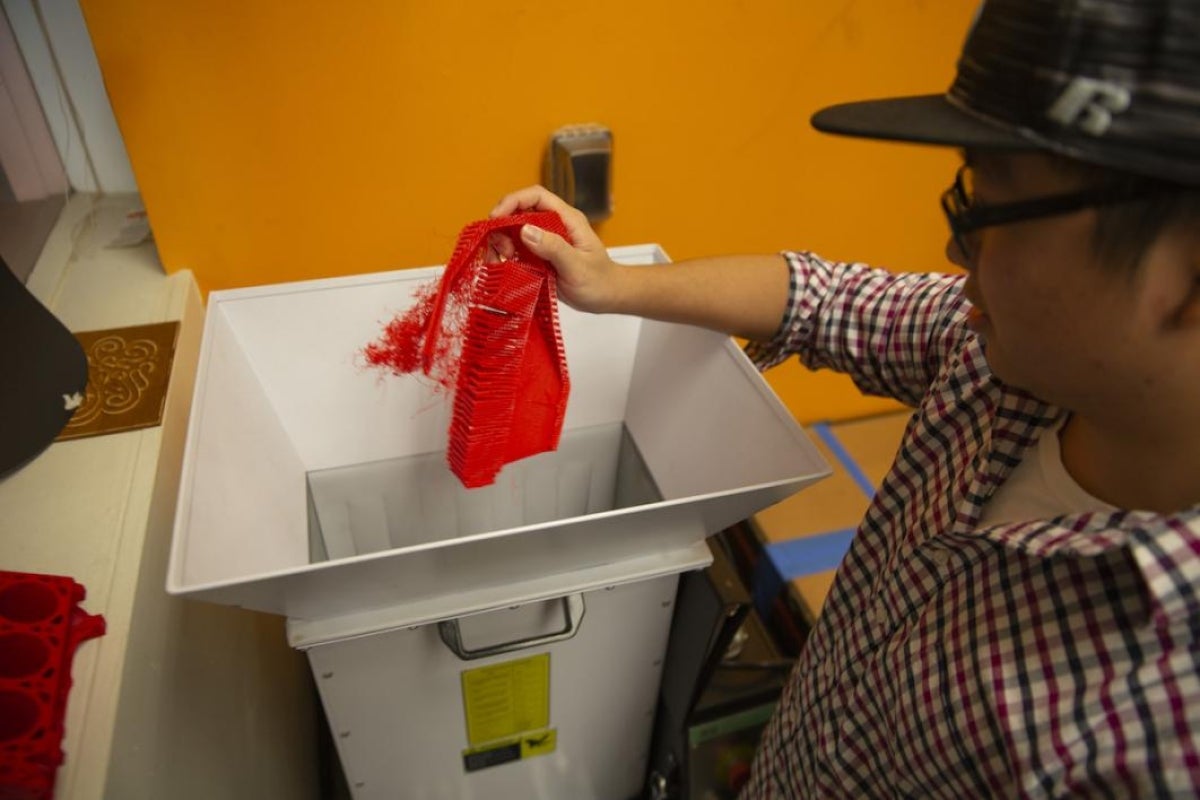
pixel 43 374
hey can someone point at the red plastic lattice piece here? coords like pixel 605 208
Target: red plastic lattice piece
pixel 40 627
pixel 489 331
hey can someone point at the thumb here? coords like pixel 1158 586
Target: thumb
pixel 545 244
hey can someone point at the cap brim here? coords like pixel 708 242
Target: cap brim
pixel 924 119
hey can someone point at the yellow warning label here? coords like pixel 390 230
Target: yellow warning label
pixel 506 701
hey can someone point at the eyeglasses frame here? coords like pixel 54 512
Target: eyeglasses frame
pixel 965 218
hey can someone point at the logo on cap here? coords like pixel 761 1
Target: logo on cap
pixel 1088 104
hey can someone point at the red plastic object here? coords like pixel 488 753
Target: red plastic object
pixel 41 625
pixel 490 332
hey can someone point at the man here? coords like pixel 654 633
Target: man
pixel 1019 613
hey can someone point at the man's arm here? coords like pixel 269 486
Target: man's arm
pixel 741 295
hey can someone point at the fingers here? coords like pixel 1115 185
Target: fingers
pixel 500 246
pixel 536 198
pixel 545 244
pixel 539 198
pixel 541 242
pixel 531 198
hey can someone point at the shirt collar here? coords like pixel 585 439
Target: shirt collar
pixel 1166 548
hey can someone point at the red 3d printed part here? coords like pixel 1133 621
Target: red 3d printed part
pixel 41 624
pixel 489 331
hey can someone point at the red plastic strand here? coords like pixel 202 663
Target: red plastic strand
pixel 488 331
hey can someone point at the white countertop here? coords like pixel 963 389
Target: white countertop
pixel 99 510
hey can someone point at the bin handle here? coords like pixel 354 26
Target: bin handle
pixel 573 609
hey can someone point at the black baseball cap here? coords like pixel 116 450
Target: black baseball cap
pixel 1110 82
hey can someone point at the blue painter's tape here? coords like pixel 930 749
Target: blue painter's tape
pixel 807 555
pixel 823 430
pixel 767 583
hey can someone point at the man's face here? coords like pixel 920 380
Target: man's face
pixel 1055 320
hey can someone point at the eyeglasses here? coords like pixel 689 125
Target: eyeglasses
pixel 965 217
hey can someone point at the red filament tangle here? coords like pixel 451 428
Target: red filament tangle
pixel 488 330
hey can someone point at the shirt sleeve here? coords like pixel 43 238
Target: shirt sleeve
pixel 891 333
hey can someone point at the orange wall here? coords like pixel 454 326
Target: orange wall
pixel 283 141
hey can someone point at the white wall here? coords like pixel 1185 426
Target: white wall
pixel 54 41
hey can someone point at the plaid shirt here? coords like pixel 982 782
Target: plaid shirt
pixel 1040 659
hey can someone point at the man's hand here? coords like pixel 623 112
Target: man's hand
pixel 588 279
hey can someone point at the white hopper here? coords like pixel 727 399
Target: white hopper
pixel 282 402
